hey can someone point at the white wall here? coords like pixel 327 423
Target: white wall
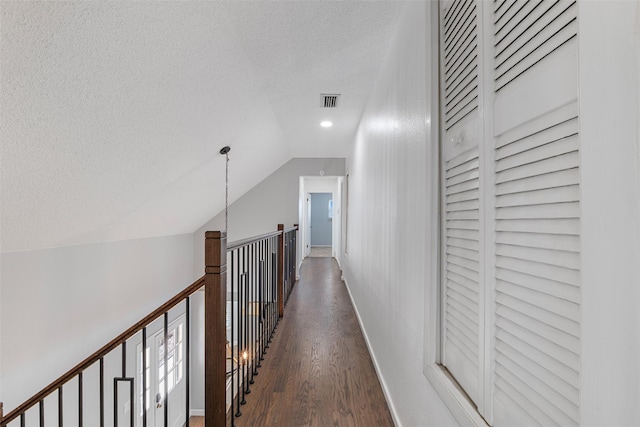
pixel 274 201
pixel 387 223
pixel 609 61
pixel 60 305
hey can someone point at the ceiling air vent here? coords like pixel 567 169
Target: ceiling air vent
pixel 329 101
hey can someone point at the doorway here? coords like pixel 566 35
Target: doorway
pixel 326 193
pixel 321 223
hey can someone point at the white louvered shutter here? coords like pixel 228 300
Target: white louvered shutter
pixel 461 193
pixel 537 214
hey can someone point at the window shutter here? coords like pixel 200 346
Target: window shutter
pixel 537 214
pixel 461 243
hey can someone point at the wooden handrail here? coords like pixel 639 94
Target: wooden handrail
pixel 80 367
pixel 244 242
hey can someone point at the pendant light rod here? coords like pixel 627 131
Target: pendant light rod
pixel 225 152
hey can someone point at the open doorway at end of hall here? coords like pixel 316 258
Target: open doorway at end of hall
pixel 321 224
pixel 320 197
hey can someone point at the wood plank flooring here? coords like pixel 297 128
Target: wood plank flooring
pixel 317 371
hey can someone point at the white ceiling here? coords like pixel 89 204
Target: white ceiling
pixel 112 113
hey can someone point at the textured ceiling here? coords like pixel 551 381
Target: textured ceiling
pixel 112 113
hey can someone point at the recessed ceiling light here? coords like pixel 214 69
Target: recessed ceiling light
pixel 326 124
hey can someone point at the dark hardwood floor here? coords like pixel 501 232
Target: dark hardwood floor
pixel 317 371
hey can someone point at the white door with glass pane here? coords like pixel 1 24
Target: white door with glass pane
pixel 156 370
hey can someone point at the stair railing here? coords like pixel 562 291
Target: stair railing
pixel 238 327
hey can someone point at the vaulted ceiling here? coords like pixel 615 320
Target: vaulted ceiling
pixel 113 113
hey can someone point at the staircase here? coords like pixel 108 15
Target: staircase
pixel 218 328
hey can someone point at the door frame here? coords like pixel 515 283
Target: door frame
pixel 153 381
pixel 320 184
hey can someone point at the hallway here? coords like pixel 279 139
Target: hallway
pixel 318 371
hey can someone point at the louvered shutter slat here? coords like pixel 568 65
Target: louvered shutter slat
pixel 565 259
pixel 563 161
pixel 462 331
pixel 468 205
pixel 543 152
pixel 471 245
pixel 515 47
pixel 515 405
pixel 461 96
pixel 536 394
pixel 541 241
pixel 467 295
pixel 544 318
pixel 463 196
pixel 514 15
pixel 463 234
pixel 502 13
pixel 551 349
pixel 545 271
pixel 467 316
pixel 463 214
pixel 463 253
pixel 563 372
pixel 464 176
pixel 467 64
pixel 569 193
pixel 557 392
pixel 558 306
pixel 469 283
pixel 561 130
pixel 542 285
pixel 558 178
pixel 461 164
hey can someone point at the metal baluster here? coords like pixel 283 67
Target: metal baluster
pixel 42 413
pixel 246 319
pixel 240 338
pixel 80 400
pixel 60 405
pixel 166 370
pixel 231 346
pixel 187 357
pixel 260 303
pixel 249 314
pixel 102 392
pixel 261 297
pixel 144 377
pixel 267 252
pixel 254 352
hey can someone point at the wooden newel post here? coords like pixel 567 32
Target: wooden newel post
pixel 215 329
pixel 281 270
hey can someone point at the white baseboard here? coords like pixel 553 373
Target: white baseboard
pixel 197 413
pixel 385 389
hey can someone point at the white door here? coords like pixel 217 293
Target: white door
pixel 511 208
pixel 463 198
pixel 165 376
pixel 307 250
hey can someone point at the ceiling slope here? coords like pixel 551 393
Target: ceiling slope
pixel 112 113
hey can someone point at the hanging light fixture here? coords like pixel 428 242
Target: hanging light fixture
pixel 225 151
